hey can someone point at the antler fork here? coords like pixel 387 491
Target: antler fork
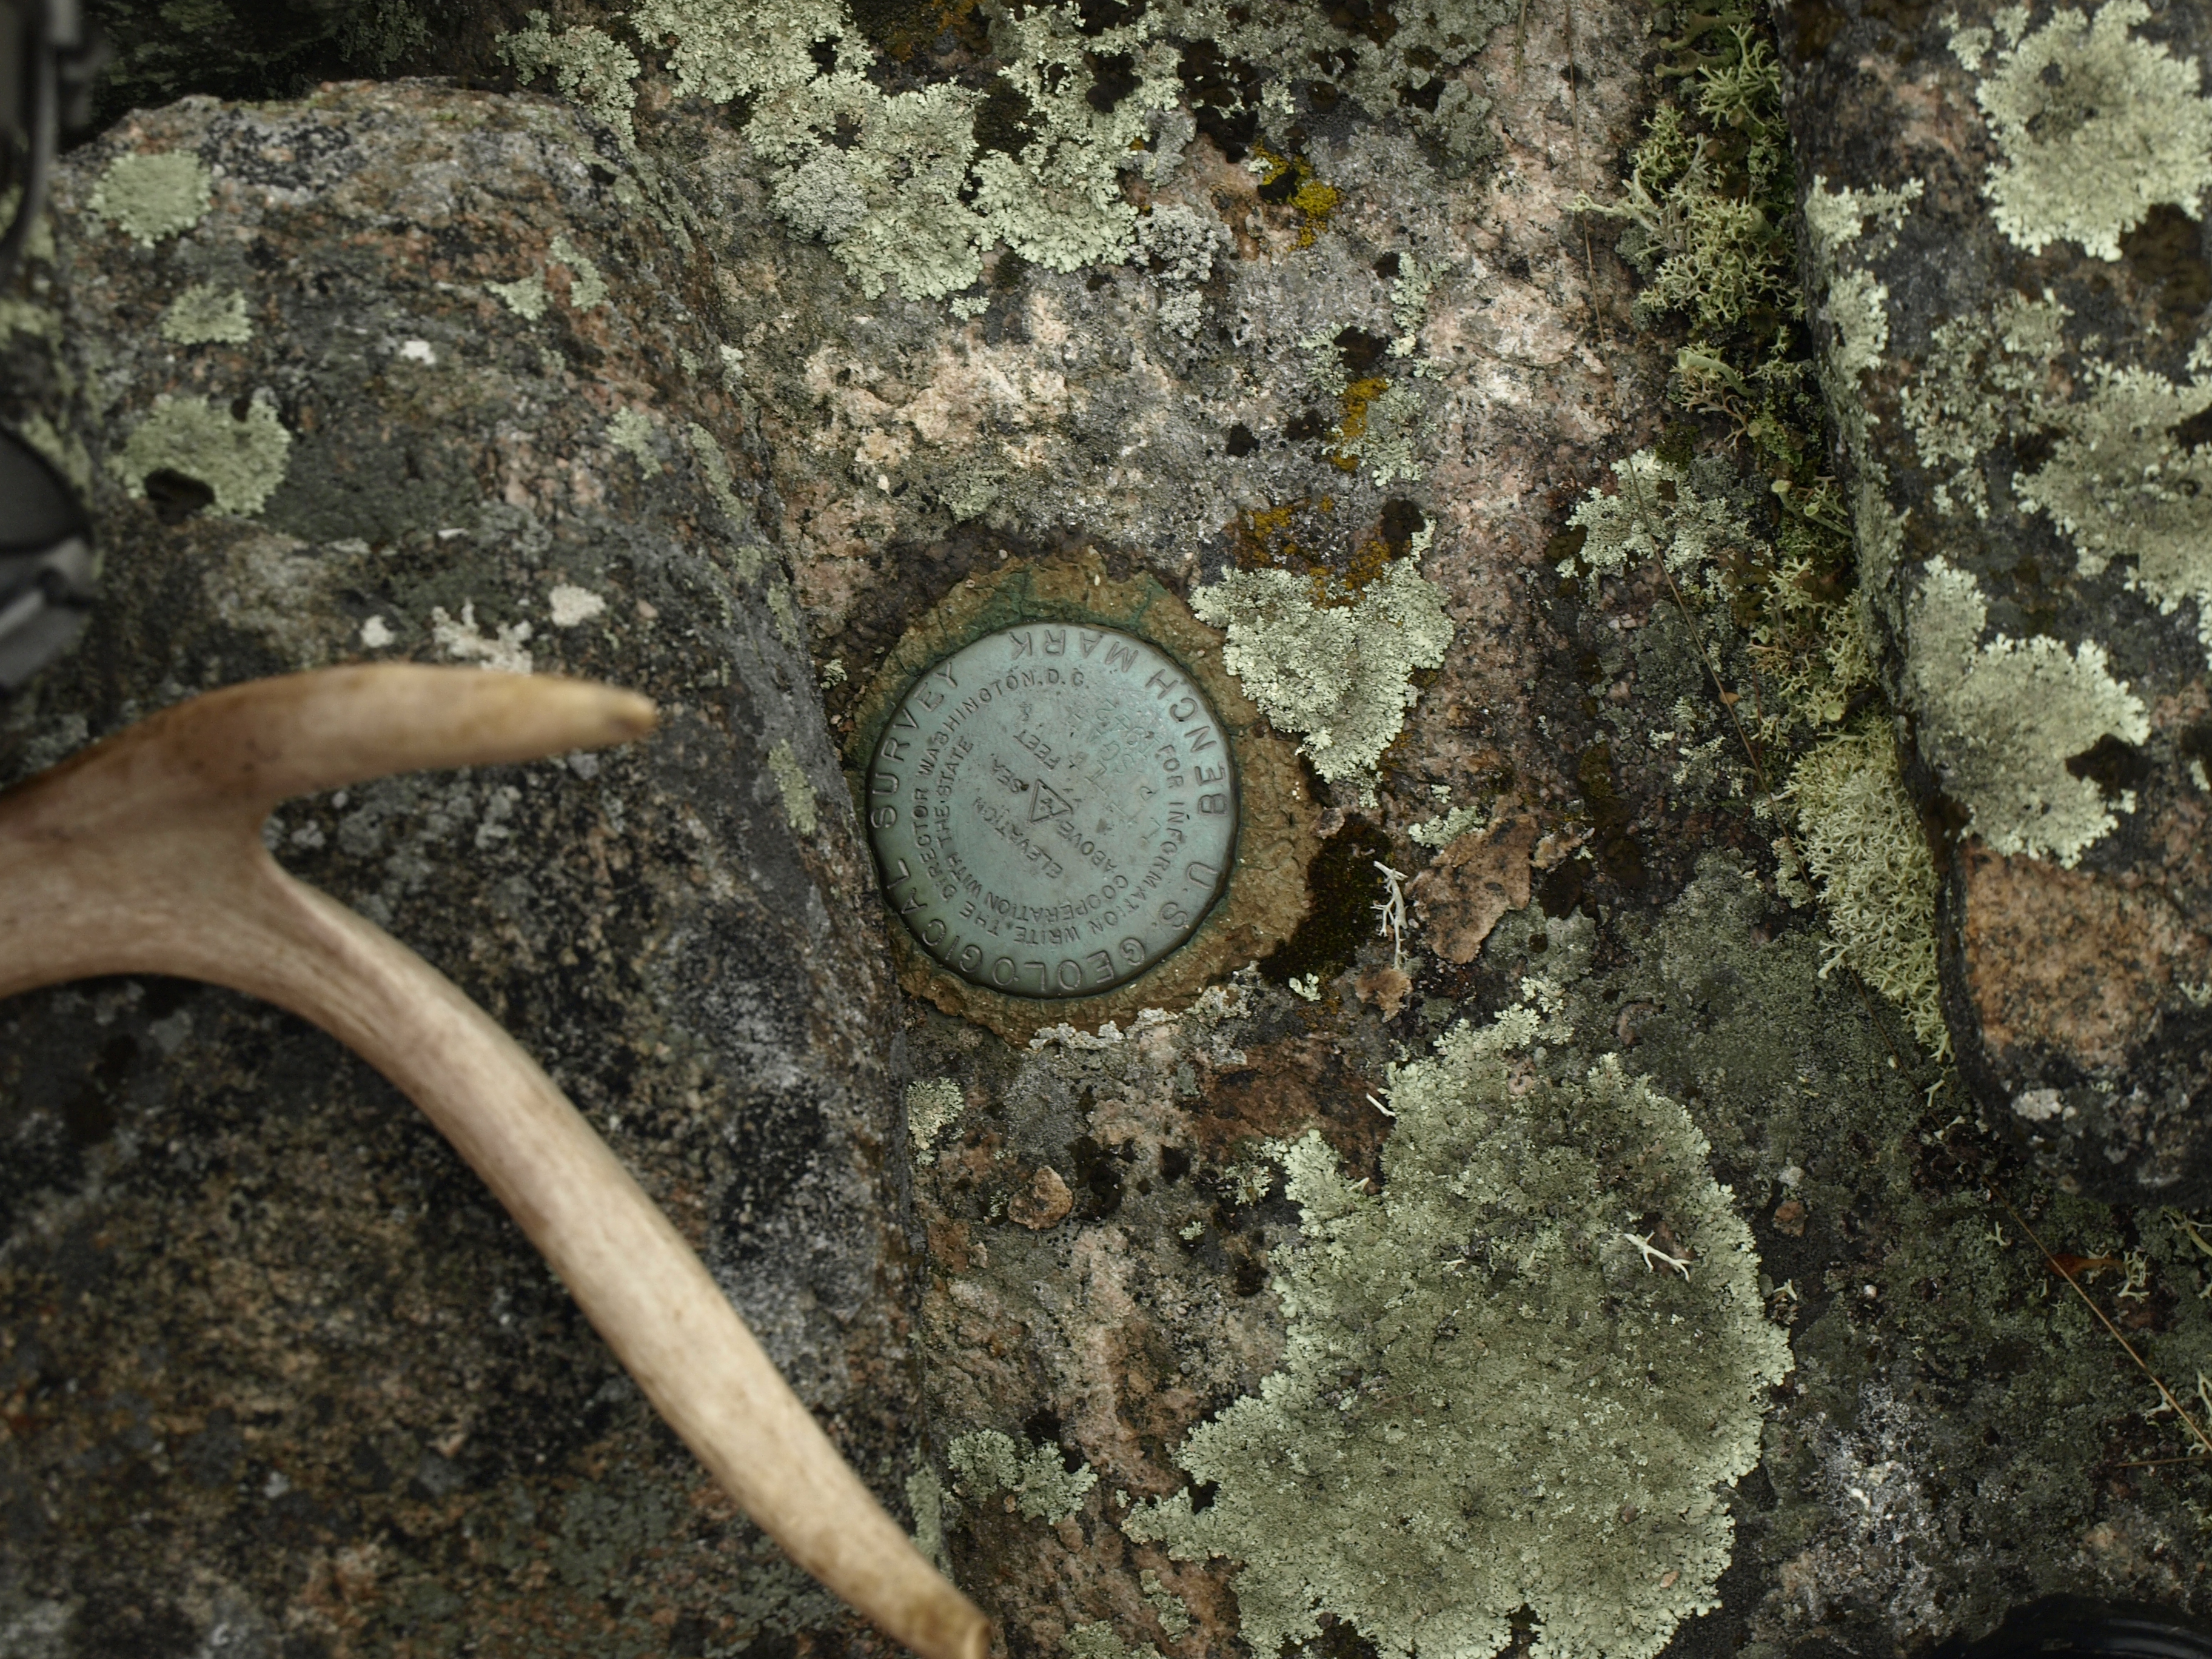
pixel 142 854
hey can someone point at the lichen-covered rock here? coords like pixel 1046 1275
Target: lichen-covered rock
pixel 283 1376
pixel 2003 208
pixel 1465 1426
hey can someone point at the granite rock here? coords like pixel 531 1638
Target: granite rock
pixel 2011 298
pixel 279 1367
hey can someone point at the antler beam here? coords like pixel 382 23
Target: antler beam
pixel 142 854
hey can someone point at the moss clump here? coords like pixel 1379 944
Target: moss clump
pixel 241 460
pixel 204 315
pixel 2093 127
pixel 1861 841
pixel 1344 887
pixel 2001 720
pixel 1037 1478
pixel 1339 674
pixel 1517 1378
pixel 2121 485
pixel 149 196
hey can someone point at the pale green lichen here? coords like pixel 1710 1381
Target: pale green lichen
pixel 587 64
pixel 932 1105
pixel 795 785
pixel 2121 487
pixel 1098 1641
pixel 1751 597
pixel 886 198
pixel 1858 309
pixel 896 183
pixel 1059 203
pixel 1448 827
pixel 1861 841
pixel 1518 1378
pixel 1660 512
pixel 204 315
pixel 925 1499
pixel 1836 216
pixel 748 556
pixel 1845 227
pixel 2093 127
pixel 1381 434
pixel 1980 379
pixel 67 451
pixel 723 50
pixel 242 460
pixel 784 610
pixel 630 430
pixel 1702 248
pixel 586 287
pixel 149 196
pixel 1171 1609
pixel 1340 675
pixel 1037 1478
pixel 524 295
pixel 2001 720
pixel 1383 419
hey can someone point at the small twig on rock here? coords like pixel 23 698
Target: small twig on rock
pixel 142 854
pixel 1392 912
pixel 1653 1254
pixel 2059 1267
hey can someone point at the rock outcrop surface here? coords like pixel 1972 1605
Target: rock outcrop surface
pixel 397 372
pixel 2004 212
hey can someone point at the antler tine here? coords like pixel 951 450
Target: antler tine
pixel 239 751
pixel 144 855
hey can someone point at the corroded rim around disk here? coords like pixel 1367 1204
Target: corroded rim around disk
pixel 1264 897
pixel 1053 809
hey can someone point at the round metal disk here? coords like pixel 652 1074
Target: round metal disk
pixel 1053 810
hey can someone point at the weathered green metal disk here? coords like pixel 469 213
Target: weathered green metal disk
pixel 1053 808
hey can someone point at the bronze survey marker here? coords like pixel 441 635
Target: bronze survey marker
pixel 1053 809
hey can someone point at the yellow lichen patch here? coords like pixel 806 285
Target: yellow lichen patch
pixel 1369 561
pixel 1289 180
pixel 1344 457
pixel 1262 537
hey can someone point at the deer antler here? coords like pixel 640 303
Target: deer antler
pixel 144 855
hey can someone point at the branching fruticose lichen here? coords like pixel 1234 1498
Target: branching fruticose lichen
pixel 1863 842
pixel 1493 1396
pixel 1340 675
pixel 2001 720
pixel 2093 127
